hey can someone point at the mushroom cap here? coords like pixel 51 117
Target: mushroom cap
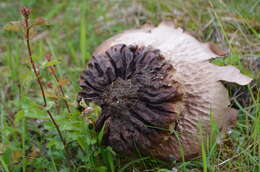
pixel 200 95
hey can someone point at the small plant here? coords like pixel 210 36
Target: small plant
pixel 81 144
pixel 27 27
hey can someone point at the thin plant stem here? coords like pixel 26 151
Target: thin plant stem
pixel 52 68
pixel 58 129
pixel 37 74
pixel 25 13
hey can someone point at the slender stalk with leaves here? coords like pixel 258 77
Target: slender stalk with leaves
pixel 53 72
pixel 26 13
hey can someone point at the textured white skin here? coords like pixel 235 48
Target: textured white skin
pixel 204 96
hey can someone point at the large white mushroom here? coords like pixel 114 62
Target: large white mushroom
pixel 158 91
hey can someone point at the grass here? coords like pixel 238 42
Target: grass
pixel 29 141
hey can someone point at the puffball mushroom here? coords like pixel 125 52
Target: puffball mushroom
pixel 158 90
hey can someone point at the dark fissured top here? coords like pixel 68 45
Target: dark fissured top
pixel 139 98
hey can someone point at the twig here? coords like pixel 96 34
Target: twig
pixel 58 129
pixel 53 72
pixel 26 12
pixel 61 89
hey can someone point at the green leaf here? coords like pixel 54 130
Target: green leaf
pixel 101 134
pixel 18 116
pixel 51 63
pixel 101 169
pixel 164 170
pixel 50 105
pixel 107 155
